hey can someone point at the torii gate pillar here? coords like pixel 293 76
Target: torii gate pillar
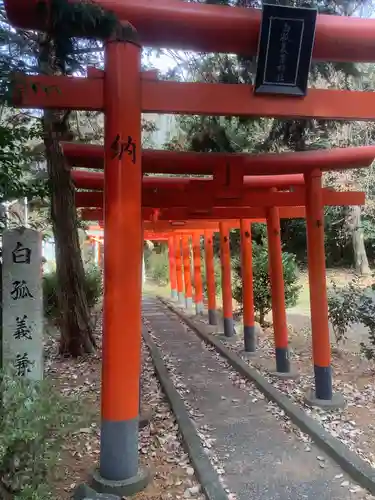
pixel 187 271
pixel 275 264
pixel 198 284
pixel 322 395
pixel 250 340
pixel 172 268
pixel 210 277
pixel 119 471
pixel 226 280
pixel 179 275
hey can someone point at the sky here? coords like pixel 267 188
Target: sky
pixel 162 63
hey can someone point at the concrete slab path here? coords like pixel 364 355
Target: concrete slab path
pixel 261 460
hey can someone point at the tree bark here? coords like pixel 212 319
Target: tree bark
pixel 353 221
pixel 76 329
pixel 75 322
pixel 261 317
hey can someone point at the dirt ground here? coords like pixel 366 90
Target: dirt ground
pixel 159 444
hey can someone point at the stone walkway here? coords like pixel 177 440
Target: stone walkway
pixel 261 460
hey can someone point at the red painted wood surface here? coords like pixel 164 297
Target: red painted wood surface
pixel 64 92
pixel 211 28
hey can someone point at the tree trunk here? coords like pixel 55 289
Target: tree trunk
pixel 75 323
pixel 354 225
pixel 261 317
pixel 76 328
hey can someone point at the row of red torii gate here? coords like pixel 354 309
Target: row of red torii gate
pixel 234 190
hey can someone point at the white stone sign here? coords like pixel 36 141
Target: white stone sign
pixel 23 302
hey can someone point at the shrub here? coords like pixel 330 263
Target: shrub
pixel 217 272
pixel 262 283
pixel 93 286
pixel 158 267
pixel 343 308
pixel 147 252
pixel 349 305
pixel 366 316
pixel 33 424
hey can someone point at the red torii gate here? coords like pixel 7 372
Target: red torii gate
pixel 172 162
pixel 196 99
pixel 177 236
pixel 206 28
pixel 180 279
pixel 123 95
pixel 95 180
pixel 178 217
pixel 200 199
pixel 272 216
pixel 86 179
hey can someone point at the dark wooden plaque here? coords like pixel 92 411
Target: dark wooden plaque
pixel 285 48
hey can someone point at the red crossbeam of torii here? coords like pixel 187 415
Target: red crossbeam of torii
pixel 86 179
pixel 206 201
pixel 206 28
pixel 173 162
pixel 178 216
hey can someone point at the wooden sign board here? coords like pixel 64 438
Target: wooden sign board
pixel 285 48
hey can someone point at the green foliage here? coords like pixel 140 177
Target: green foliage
pixel 350 305
pixel 217 272
pixel 92 287
pixel 338 246
pixel 158 267
pixel 343 308
pixel 261 281
pixel 293 237
pixel 88 19
pixel 16 176
pixel 21 171
pixel 368 226
pixel 366 316
pixel 337 237
pixel 262 135
pixel 147 252
pixel 34 423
